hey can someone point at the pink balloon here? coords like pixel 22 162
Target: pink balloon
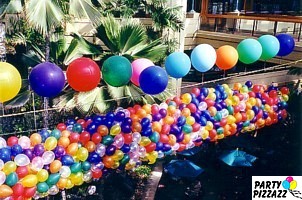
pixel 137 67
pixel 289 179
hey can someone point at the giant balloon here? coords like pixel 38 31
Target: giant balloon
pixel 249 51
pixel 287 44
pixel 138 66
pixel 117 71
pixel 270 46
pixel 203 57
pixel 178 64
pixel 10 82
pixel 47 79
pixel 153 80
pixel 83 74
pixel 227 57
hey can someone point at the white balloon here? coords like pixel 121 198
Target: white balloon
pixel 224 113
pixel 53 190
pixel 48 157
pixel 24 142
pixel 202 106
pixel 37 163
pixel 203 57
pixel 1 164
pixel 2 142
pixel 100 149
pixel 21 160
pixel 65 172
pixel 87 176
pixel 2 177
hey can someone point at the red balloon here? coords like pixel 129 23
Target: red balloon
pixel 177 100
pixel 97 173
pixel 127 138
pixel 96 138
pixel 236 109
pixel 244 117
pixel 11 141
pixel 29 192
pixel 256 88
pixel 273 93
pixel 264 96
pixel 223 122
pixel 197 144
pixel 212 134
pixel 210 102
pixel 284 90
pixel 18 189
pixel 74 137
pixel 84 137
pixel 195 91
pixel 195 127
pixel 164 138
pixel 192 107
pixel 61 126
pixel 83 74
pixel 252 94
pixel 150 147
pixel 154 109
pixel 81 121
pixel 181 147
pixel 22 171
pixel 165 129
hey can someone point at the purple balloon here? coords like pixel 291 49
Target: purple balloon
pixel 110 150
pixel 47 79
pixel 59 151
pixel 38 150
pixel 29 153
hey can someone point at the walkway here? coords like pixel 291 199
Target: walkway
pixel 152 183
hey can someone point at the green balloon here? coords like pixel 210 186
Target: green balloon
pixel 76 167
pixel 77 128
pixel 42 187
pixel 117 71
pixel 11 179
pixel 107 140
pixel 56 133
pixel 249 51
pixel 86 166
pixel 53 179
pixel 270 46
pixel 125 159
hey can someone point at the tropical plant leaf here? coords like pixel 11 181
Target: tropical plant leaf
pixel 84 9
pixel 132 35
pixel 116 93
pixel 13 7
pixel 57 47
pixel 19 101
pixel 31 59
pixel 79 47
pixel 295 71
pixel 85 100
pixel 154 51
pixel 44 15
pixel 135 93
pixel 101 105
pixel 65 101
pixel 109 32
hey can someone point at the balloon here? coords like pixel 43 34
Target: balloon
pixel 10 82
pixel 24 142
pixel 9 167
pixel 65 172
pixel 11 179
pixel 42 175
pixel 287 44
pixel 227 57
pixel 285 184
pixel 82 154
pixel 11 141
pixel 83 74
pixel 53 179
pixel 138 66
pixel 30 180
pixel 22 171
pixel 270 46
pixel 153 80
pixel 37 163
pixel 2 177
pixel 203 57
pixel 55 166
pixel 293 185
pixel 29 192
pixel 35 139
pixel 5 191
pixel 50 143
pixel 47 79
pixel 48 157
pixel 42 187
pixel 249 51
pixel 117 71
pixel 178 64
pixel 18 190
pixel 22 160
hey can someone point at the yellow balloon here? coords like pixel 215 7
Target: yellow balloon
pixel 69 184
pixel 9 167
pixel 115 129
pixel 115 165
pixel 82 154
pixel 5 191
pixel 285 97
pixel 129 166
pixel 77 179
pixel 209 126
pixel 42 175
pixel 190 120
pixel 186 98
pixel 293 185
pixel 231 119
pixel 211 96
pixel 204 134
pixel 145 141
pixel 50 143
pixel 118 155
pixel 10 82
pixel 29 180
pixel 152 156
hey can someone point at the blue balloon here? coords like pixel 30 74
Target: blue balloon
pixel 178 64
pixel 203 57
pixel 44 134
pixel 287 44
pixel 153 80
pixel 286 184
pixel 67 160
pixel 47 79
pixel 270 46
pixel 16 149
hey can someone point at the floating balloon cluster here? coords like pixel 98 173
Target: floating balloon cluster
pixel 79 151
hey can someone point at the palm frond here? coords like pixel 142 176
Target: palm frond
pixel 295 71
pixel 116 93
pixel 79 47
pixel 109 32
pixel 84 9
pixel 44 15
pixel 13 7
pixel 65 101
pixel 57 47
pixel 19 101
pixel 100 104
pixel 153 51
pixel 132 35
pixel 31 58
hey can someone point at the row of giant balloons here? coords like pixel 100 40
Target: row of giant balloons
pixel 81 150
pixel 83 74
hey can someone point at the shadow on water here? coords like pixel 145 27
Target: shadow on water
pixel 278 149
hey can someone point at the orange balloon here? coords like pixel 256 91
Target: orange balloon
pixel 147 108
pixel 141 113
pixel 186 139
pixel 156 126
pixel 172 139
pixel 227 57
pixel 55 166
pixel 108 161
pixel 72 149
pixel 90 146
pixel 103 130
pixel 65 133
pixel 64 142
pixel 5 191
pixel 35 139
pixel 62 183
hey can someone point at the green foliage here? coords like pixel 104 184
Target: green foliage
pixel 143 171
